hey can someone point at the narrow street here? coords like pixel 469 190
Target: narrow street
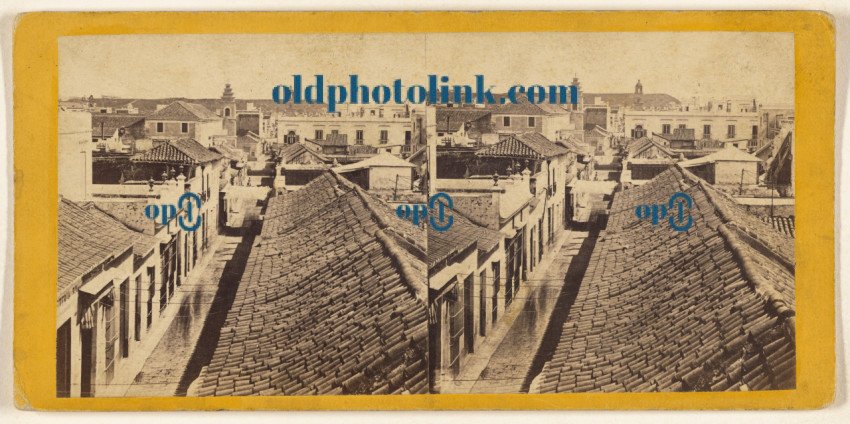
pixel 513 353
pixel 206 298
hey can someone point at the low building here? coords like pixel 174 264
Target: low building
pixel 465 265
pixel 382 172
pixel 107 301
pixel 197 170
pixel 463 126
pixel 182 120
pixel 299 324
pixel 297 166
pixel 710 309
pixel 645 159
pixel 118 132
pixel 727 166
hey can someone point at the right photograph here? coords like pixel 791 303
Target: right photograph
pixel 639 238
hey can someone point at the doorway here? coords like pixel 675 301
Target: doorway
pixel 468 314
pixel 89 358
pixel 63 360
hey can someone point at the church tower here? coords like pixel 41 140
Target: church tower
pixel 228 107
pixel 228 110
pixel 638 88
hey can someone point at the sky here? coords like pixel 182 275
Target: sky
pixel 683 64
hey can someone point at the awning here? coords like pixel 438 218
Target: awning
pixel 593 187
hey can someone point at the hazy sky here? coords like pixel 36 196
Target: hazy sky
pixel 689 64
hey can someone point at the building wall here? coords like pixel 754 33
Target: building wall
pixel 207 131
pixel 201 131
pixel 730 172
pixel 390 178
pixel 138 280
pixel 113 274
pixel 654 121
pixel 518 123
pixel 306 127
pixel 170 129
pixel 75 146
pixel 459 271
pixel 492 291
pixel 248 122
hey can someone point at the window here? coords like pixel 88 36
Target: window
pixel 358 137
pixel 335 132
pixel 665 129
pixel 124 318
pixel 320 135
pixel 184 127
pixel 385 135
pixel 111 336
pixel 226 112
pixel 137 309
pixel 160 127
pixel 531 121
pixel 151 293
pixel 496 282
pixel 730 131
pixel 455 304
pixel 706 130
pixel 506 121
pixel 682 126
pixel 482 303
pixel 755 131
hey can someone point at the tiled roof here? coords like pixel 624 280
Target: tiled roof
pixel 106 124
pixel 332 139
pixel 529 145
pixel 289 152
pixel 362 149
pixel 521 107
pixel 783 224
pixel 451 119
pixel 332 301
pixel 709 309
pixel 458 238
pixel 638 146
pixel 184 151
pixel 132 216
pixel 87 239
pixel 183 111
pixel 680 134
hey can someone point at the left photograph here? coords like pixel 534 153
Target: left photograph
pixel 213 242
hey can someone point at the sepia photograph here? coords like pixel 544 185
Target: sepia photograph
pixel 412 213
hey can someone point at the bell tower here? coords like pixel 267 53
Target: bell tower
pixel 228 108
